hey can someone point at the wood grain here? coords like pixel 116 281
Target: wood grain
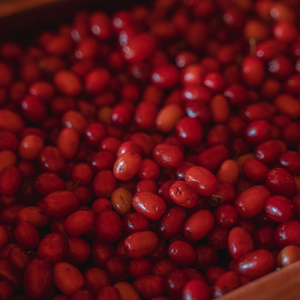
pixel 279 285
pixel 16 6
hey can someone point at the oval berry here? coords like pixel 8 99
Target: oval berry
pixel 141 244
pixel 67 278
pixel 149 205
pixel 201 180
pixel 198 225
pixel 37 279
pixel 280 208
pixel 252 201
pixel 256 264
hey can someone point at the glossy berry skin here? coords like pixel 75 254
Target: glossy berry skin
pixel 287 234
pixel 280 67
pixel 145 114
pixel 281 182
pixel 135 222
pixel 149 205
pixel 284 31
pixel 213 157
pixel 280 208
pixel 31 146
pixel 121 114
pixel 195 289
pixel 96 81
pixel 256 264
pixel 214 81
pixel 149 169
pixel 236 94
pixel 253 71
pixel 258 132
pixel 182 194
pixel 167 156
pixel 121 200
pixel 201 180
pixel 100 25
pixel 172 222
pixel 287 256
pixel 51 160
pixel 95 133
pixel 268 151
pixel 224 194
pixel 182 253
pixel 290 160
pixel 192 75
pixel 34 109
pixel 189 131
pixel 175 282
pixel 198 225
pixel 240 242
pixel 140 47
pixel 102 160
pixel 127 165
pixel 129 146
pixel 165 76
pixel 252 201
pixel 141 244
pixel 227 282
pixel 226 215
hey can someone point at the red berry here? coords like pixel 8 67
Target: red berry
pixel 253 71
pixel 252 201
pixel 201 180
pixel 256 264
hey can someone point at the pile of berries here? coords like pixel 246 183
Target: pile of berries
pixel 152 153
